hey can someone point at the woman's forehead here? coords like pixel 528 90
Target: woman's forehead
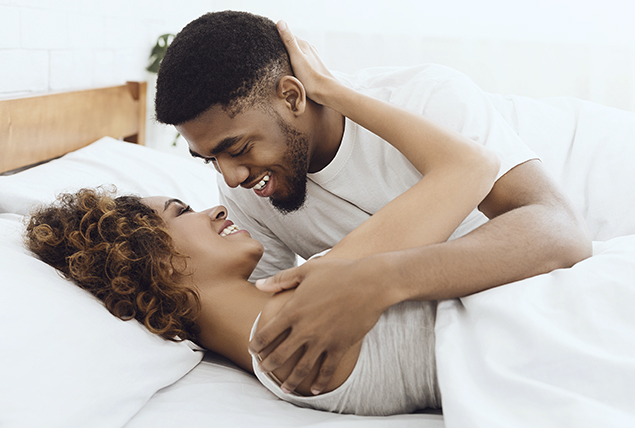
pixel 157 203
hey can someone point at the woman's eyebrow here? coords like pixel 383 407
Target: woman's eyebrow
pixel 170 201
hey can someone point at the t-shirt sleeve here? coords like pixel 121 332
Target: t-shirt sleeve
pixel 277 256
pixel 457 102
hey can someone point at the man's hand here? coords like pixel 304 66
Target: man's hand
pixel 331 310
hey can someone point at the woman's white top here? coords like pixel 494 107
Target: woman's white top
pixel 395 371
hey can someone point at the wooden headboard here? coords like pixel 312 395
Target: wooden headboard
pixel 37 128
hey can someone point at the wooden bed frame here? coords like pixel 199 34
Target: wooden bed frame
pixel 38 128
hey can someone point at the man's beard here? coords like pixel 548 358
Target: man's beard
pixel 296 156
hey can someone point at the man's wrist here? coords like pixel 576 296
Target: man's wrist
pixel 378 275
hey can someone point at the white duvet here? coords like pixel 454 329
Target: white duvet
pixel 556 350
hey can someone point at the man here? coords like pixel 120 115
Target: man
pixel 300 178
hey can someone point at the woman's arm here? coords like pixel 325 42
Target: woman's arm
pixel 457 175
pixel 532 229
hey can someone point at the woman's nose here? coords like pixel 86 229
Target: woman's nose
pixel 217 213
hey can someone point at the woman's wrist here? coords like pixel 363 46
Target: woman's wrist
pixel 326 92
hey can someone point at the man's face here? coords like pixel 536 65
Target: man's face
pixel 255 149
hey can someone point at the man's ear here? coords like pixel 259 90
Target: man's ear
pixel 291 91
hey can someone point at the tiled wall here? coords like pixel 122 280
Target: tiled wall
pixel 66 44
pixel 604 73
pixel 54 45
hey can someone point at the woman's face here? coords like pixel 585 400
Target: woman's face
pixel 213 244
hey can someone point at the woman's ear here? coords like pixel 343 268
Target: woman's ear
pixel 291 91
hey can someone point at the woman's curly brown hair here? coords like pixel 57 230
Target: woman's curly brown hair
pixel 118 249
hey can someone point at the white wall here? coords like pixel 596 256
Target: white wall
pixel 540 48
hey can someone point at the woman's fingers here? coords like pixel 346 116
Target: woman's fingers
pixel 306 64
pixel 287 36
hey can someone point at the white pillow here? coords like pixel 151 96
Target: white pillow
pixel 589 149
pixel 132 168
pixel 65 361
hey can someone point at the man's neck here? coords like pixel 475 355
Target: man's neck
pixel 328 126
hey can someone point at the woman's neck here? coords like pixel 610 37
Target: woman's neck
pixel 228 312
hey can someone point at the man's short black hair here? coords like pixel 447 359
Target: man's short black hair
pixel 228 58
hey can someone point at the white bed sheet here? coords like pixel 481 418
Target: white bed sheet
pixel 217 393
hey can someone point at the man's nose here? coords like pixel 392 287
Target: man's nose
pixel 233 172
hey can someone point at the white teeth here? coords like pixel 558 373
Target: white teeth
pixel 262 183
pixel 229 230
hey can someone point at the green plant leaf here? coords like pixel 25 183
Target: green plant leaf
pixel 158 51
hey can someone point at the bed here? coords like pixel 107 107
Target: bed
pixel 555 350
pixel 65 361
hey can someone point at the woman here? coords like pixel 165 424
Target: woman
pixel 184 274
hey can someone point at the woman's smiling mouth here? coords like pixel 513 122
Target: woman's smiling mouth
pixel 229 230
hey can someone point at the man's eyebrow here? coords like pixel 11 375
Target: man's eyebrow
pixel 171 201
pixel 225 144
pixel 222 146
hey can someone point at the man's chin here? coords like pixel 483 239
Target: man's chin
pixel 289 205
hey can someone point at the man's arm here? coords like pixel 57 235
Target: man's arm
pixel 533 230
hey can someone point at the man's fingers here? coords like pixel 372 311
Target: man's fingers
pixel 283 280
pixel 301 370
pixel 279 356
pixel 267 335
pixel 275 285
pixel 327 369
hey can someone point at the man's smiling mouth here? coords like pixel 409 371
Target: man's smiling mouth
pixel 263 183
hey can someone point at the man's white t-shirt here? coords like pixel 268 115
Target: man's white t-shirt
pixel 367 172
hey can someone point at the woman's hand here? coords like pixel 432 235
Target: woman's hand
pixel 307 65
